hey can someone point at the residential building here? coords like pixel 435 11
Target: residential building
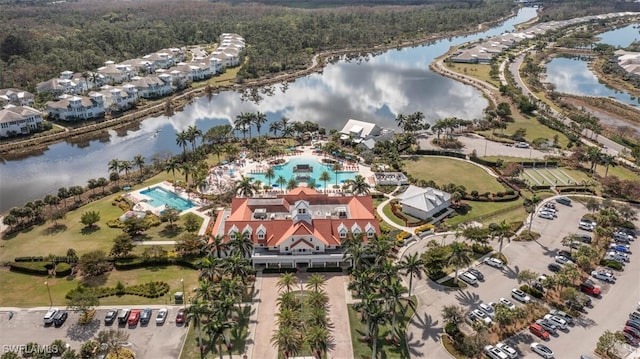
pixel 300 228
pixel 365 134
pixel 61 86
pixel 165 58
pixel 152 86
pixel 140 67
pixel 424 203
pixel 16 97
pixel 112 73
pixel 118 98
pixel 75 108
pixel 19 120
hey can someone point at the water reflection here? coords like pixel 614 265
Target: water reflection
pixel 621 37
pixel 373 88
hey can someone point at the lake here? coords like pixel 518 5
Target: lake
pixel 375 89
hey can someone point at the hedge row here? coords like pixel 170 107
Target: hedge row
pixel 611 264
pixel 524 163
pixel 40 268
pixel 532 291
pixel 135 263
pixel 574 189
pixel 495 197
pixel 147 290
pixel 441 153
pixel 321 269
pixel 57 259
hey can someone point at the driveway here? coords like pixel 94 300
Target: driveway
pixel 149 341
pixel 424 328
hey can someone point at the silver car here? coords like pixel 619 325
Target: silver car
pixel 548 326
pixel 542 350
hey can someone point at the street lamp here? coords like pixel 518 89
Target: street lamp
pixel 49 291
pixel 184 294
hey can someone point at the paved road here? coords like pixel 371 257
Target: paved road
pixel 425 327
pixel 483 147
pixel 149 341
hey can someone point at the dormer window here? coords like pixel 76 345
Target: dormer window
pixel 302 210
pixel 261 235
pixel 342 231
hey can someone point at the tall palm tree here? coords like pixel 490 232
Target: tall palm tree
pixel 412 265
pixel 258 120
pixel 210 267
pixel 187 169
pixel 287 281
pixel 241 245
pixel 292 183
pixel 237 267
pixel 324 177
pixel 288 340
pixel 138 161
pixel 114 165
pixel 394 298
pixel 459 257
pixel 182 139
pixel 217 243
pixel 318 338
pixel 502 231
pixel 196 311
pixel 193 132
pixel 244 187
pixel 594 156
pixel 274 127
pixel 216 328
pixel 270 174
pixel 607 160
pixel 281 181
pixel 316 282
pixel 171 166
pixel 359 186
pixel 336 168
pixel 126 166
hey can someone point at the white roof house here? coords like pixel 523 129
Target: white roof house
pixel 423 203
pixel 360 129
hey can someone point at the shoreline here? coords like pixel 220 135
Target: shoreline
pixel 318 62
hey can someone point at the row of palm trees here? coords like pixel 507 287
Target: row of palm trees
pixel 248 186
pixel 302 317
pixel 224 279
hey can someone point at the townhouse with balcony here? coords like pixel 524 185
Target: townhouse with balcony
pixel 67 84
pixel 77 108
pixel 112 73
pixel 16 97
pixel 118 98
pixel 302 228
pixel 19 120
pixel 152 86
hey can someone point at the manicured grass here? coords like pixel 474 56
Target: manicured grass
pixel 478 71
pixel 23 290
pixel 362 350
pixel 448 345
pixel 534 130
pixel 487 211
pixel 445 170
pixel 387 211
pixel 620 172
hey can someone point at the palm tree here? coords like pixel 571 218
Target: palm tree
pixel 594 155
pixel 281 181
pixel 502 231
pixel 114 165
pixel 287 281
pixel 113 340
pixel 316 282
pixel 258 120
pixel 288 340
pixel 275 127
pixel 318 338
pixel 182 138
pixel 325 177
pixel 568 241
pixel 270 174
pixel 607 160
pixel 210 268
pixel 412 265
pixel 138 161
pixel 193 132
pixel 359 186
pixel 217 244
pixel 126 166
pixel 292 183
pixel 336 168
pixel 453 314
pixel 171 166
pixel 195 311
pixel 237 267
pixel 244 187
pixel 459 257
pixel 394 298
pixel 216 328
pixel 241 245
pixel 187 169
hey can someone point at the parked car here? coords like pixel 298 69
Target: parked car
pixel 494 262
pixel 60 318
pixel 542 350
pixel 586 226
pixel 548 326
pixel 634 315
pixel 563 315
pixel 556 320
pixel 511 353
pixel 507 303
pixel 487 308
pixel 124 316
pixel 520 296
pixel 145 316
pixel 621 248
pixel 632 331
pixel 538 331
pixel 604 276
pixel 564 200
pixel 585 238
pixel 550 205
pixel 494 353
pixel 468 278
pixel 590 288
pixel 180 316
pixel 480 316
pixel 161 317
pixel 633 324
pixel 48 317
pixel 630 339
pixel 545 215
pixel 476 273
pixel 111 316
pixel 554 267
pixel 134 317
pixel 522 145
pixel 621 258
pixel 562 259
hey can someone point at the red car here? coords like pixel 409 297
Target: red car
pixel 180 317
pixel 590 289
pixel 538 331
pixel 134 317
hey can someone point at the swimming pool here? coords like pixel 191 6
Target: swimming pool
pixel 313 171
pixel 159 196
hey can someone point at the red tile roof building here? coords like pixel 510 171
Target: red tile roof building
pixel 302 227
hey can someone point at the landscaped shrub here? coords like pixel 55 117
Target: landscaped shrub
pixel 481 248
pixel 424 228
pixel 611 264
pixel 40 268
pixel 147 290
pixel 531 291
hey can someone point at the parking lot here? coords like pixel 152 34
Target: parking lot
pixel 147 341
pixel 608 313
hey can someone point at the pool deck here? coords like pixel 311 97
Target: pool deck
pixel 254 167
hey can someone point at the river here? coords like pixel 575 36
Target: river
pixel 374 89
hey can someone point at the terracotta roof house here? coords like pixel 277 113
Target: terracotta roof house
pixel 73 108
pixel 300 228
pixel 19 120
pixel 423 203
pixel 16 97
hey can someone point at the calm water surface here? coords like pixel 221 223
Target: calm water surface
pixel 621 37
pixel 375 89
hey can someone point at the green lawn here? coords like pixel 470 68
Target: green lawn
pixel 478 71
pixel 387 211
pixel 534 130
pixel 362 350
pixel 17 285
pixel 444 170
pixel 487 211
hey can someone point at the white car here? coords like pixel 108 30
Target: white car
pixel 48 318
pixel 617 256
pixel 520 296
pixel 468 278
pixel 603 276
pixel 477 314
pixel 507 303
pixel 561 314
pixel 556 320
pixel 562 259
pixel 545 215
pixel 494 353
pixel 511 353
pixel 494 262
pixel 161 317
pixel 542 350
pixel 487 308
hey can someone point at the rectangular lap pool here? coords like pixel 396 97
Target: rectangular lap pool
pixel 159 196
